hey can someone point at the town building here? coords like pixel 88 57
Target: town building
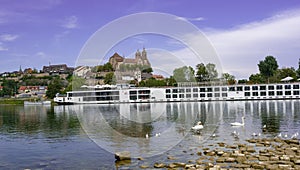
pixel 58 69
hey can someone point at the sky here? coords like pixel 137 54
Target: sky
pixel 34 33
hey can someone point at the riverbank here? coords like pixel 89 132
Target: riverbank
pixel 254 153
pixel 15 101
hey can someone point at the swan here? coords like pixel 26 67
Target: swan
pixel 238 123
pixel 198 126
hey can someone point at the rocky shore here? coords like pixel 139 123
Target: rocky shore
pixel 265 153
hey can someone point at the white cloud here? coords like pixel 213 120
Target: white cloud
pixel 241 48
pixel 70 22
pixel 8 37
pixel 190 19
pixel 2 48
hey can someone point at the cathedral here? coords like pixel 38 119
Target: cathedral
pixel 127 69
pixel 140 59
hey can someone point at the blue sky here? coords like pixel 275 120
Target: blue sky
pixel 36 32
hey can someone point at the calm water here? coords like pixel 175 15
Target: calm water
pixel 86 136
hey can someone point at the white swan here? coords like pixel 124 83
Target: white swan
pixel 238 123
pixel 198 126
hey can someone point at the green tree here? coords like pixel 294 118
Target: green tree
pixel 202 74
pixel 230 79
pixel 54 87
pixel 285 72
pixel 298 70
pixel 268 67
pixel 212 72
pixel 256 78
pixel 171 81
pixel 75 83
pixel 9 87
pixel 110 78
pixel 184 74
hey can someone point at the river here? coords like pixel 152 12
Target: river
pixel 87 136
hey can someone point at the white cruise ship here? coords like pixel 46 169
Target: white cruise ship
pixel 124 94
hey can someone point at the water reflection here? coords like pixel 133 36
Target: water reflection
pixel 34 134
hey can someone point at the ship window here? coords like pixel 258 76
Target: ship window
pixel 133 97
pixel 239 88
pixel 295 86
pixel 288 93
pixel 271 93
pixel 271 87
pixel 263 93
pixel 279 87
pixel 188 90
pixel 132 92
pixel 174 96
pixel 181 96
pixel 168 96
pixel 209 89
pixel 224 89
pixel 262 87
pixel 231 89
pixel 195 95
pixel 296 92
pixel 181 90
pixel 255 93
pixel 202 89
pixel 188 95
pixel 247 93
pixel 70 94
pixel 168 90
pixel 287 86
pixel 224 94
pixel 175 91
pixel 254 87
pixel 217 94
pixel 279 93
pixel 217 89
pixel 202 94
pixel 195 89
pixel 209 94
pixel 247 88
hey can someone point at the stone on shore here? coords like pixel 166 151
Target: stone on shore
pixel 125 155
